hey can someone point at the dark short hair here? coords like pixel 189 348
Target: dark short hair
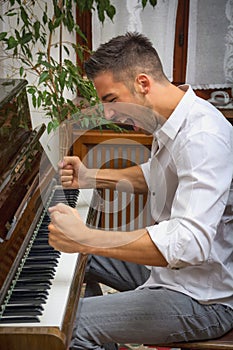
pixel 125 56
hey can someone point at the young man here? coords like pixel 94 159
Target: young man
pixel 187 295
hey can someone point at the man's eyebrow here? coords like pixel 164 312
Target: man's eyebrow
pixel 105 97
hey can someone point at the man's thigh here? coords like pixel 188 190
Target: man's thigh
pixel 114 273
pixel 149 316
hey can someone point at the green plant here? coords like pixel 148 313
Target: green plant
pixel 35 40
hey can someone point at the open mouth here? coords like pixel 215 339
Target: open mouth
pixel 133 117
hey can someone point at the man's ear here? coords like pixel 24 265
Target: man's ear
pixel 142 84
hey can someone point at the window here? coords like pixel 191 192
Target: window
pixel 182 21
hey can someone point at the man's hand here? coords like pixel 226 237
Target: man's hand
pixel 67 229
pixel 68 221
pixel 73 173
pixel 61 242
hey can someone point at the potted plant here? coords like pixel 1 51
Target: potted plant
pixel 36 42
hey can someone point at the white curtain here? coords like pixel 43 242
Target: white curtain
pixel 157 23
pixel 210 44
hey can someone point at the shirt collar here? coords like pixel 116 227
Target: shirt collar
pixel 173 124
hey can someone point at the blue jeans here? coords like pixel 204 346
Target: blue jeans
pixel 148 316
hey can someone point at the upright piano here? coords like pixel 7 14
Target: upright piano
pixel 39 286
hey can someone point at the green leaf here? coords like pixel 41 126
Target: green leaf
pixel 11 14
pixel 27 52
pixel 39 99
pixel 66 50
pixel 68 21
pixel 101 15
pixel 50 127
pixel 31 90
pixel 111 11
pixel 45 63
pixel 36 27
pixel 56 8
pixel 50 25
pixel 21 71
pixel 57 22
pixel 45 18
pixel 11 42
pixel 3 35
pixel 18 37
pixel 153 2
pixel 34 101
pixel 26 38
pixel 24 15
pixel 144 2
pixel 62 78
pixel 54 124
pixel 43 77
pixel 79 32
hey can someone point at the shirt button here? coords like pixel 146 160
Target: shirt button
pixel 153 193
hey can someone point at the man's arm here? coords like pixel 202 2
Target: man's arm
pixel 74 174
pixel 68 233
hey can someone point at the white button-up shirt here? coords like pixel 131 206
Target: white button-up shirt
pixel 189 177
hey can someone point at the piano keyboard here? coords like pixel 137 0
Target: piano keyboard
pixel 40 289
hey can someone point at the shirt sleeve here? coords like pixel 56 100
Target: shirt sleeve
pixel 204 168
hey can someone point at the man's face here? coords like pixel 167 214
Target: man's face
pixel 131 108
pixel 109 91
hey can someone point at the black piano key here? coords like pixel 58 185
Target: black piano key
pixel 43 231
pixel 45 249
pixel 41 259
pixel 36 300
pixel 33 278
pixel 43 227
pixel 27 283
pixel 40 241
pixel 22 310
pixel 42 264
pixel 44 254
pixel 19 319
pixel 37 297
pixel 39 287
pixel 24 306
pixel 44 224
pixel 37 269
pixel 36 278
pixel 23 293
pixel 32 274
pixel 32 302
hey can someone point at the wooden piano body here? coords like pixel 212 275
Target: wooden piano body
pixel 22 207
